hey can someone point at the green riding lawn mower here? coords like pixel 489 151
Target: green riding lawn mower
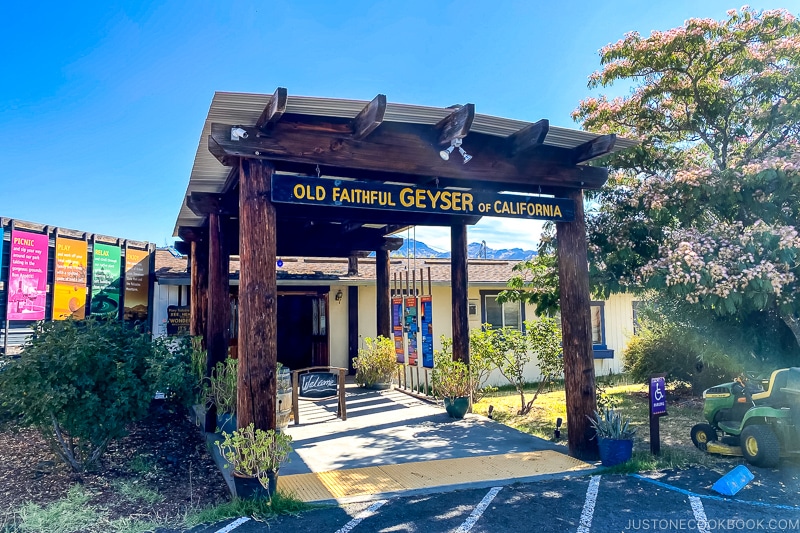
pixel 753 417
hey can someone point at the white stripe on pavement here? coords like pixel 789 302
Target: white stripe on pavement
pixel 478 511
pixel 233 525
pixel 699 514
pixel 366 513
pixel 588 505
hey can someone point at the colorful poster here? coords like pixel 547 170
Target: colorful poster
pixel 411 329
pixel 137 284
pixel 27 276
pixel 427 331
pixel 69 293
pixel 105 279
pixel 397 329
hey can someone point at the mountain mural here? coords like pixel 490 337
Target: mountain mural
pixel 474 250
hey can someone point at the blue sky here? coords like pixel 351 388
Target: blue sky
pixel 102 103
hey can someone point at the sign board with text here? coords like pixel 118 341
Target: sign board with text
pixel 658 395
pixel 376 195
pixel 318 385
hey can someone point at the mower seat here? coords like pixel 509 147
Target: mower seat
pixel 774 397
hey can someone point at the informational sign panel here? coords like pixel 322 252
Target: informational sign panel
pixel 27 276
pixel 105 279
pixel 318 385
pixel 69 294
pixel 376 195
pixel 412 328
pixel 658 396
pixel 426 305
pixel 178 319
pixel 397 329
pixel 137 284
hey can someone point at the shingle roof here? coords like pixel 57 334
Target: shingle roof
pixel 309 268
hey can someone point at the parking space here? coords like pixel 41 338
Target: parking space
pixel 580 504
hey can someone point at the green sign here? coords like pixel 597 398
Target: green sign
pixel 377 195
pixel 105 279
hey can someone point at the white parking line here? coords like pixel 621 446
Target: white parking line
pixel 366 513
pixel 233 525
pixel 588 506
pixel 478 511
pixel 699 514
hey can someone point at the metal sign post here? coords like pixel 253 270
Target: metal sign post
pixel 658 408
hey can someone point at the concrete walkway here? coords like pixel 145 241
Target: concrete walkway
pixel 394 443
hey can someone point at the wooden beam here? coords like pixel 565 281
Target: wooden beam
pixel 274 110
pixel 528 138
pixel 198 296
pixel 392 244
pixel 258 298
pixel 383 303
pixel 218 317
pixel 404 149
pixel 595 148
pixel 205 203
pixel 573 279
pixel 352 327
pixel 191 234
pixel 369 118
pixel 456 125
pixel 460 285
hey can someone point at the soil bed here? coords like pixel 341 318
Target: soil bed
pixel 159 472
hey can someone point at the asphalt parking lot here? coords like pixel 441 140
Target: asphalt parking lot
pixel 665 501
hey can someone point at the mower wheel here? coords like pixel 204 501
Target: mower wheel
pixel 760 446
pixel 702 434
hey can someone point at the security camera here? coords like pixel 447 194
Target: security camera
pixel 238 133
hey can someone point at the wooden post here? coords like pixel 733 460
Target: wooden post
pixel 573 277
pixel 258 301
pixel 352 327
pixel 459 281
pixel 384 310
pixel 198 299
pixel 219 307
pixel 342 406
pixel 295 397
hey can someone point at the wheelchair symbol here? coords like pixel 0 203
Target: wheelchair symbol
pixel 657 394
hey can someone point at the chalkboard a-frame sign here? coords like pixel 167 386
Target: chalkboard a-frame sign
pixel 318 385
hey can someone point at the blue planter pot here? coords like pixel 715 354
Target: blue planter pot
pixel 614 452
pixel 250 488
pixel 456 407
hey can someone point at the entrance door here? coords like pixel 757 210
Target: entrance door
pixel 302 329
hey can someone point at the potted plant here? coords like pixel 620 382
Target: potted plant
pixel 376 363
pixel 256 456
pixel 451 381
pixel 614 436
pixel 220 390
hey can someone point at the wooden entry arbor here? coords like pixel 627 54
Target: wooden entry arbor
pixel 252 142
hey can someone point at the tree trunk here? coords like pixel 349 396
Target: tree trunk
pixel 573 278
pixel 459 283
pixel 794 325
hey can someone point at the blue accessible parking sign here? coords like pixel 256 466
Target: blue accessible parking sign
pixel 658 396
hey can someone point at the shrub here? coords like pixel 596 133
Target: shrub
pixel 450 379
pixel 81 384
pixel 667 348
pixel 221 387
pixel 376 362
pixel 172 369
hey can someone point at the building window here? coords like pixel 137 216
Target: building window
pixel 598 325
pixel 505 315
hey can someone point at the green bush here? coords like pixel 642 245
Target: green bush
pixel 376 362
pixel 667 348
pixel 82 383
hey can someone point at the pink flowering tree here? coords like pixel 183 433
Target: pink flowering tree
pixel 706 209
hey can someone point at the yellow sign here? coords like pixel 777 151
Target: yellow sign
pixel 69 296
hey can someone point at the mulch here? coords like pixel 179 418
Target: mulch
pixel 165 452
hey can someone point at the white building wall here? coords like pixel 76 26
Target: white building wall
pixel 619 329
pixel 164 296
pixel 337 327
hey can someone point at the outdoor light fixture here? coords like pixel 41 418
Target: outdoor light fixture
pixel 557 431
pixel 238 133
pixel 455 143
pixel 339 296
